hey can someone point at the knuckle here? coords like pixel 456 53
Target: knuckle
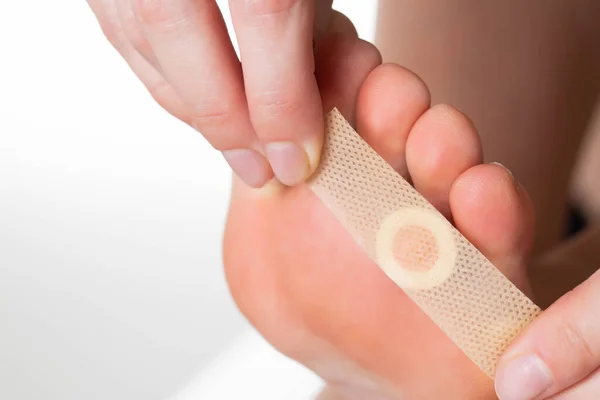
pixel 132 29
pixel 578 343
pixel 110 23
pixel 165 96
pixel 114 35
pixel 275 105
pixel 214 122
pixel 212 116
pixel 159 12
pixel 135 37
pixel 266 7
pixel 113 32
pixel 141 44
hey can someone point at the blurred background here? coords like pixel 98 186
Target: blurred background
pixel 111 219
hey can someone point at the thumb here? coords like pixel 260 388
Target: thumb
pixel 558 349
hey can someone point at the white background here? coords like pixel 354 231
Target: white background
pixel 111 218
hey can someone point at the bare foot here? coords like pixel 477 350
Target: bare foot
pixel 300 279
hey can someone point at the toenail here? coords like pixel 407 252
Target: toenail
pixel 507 170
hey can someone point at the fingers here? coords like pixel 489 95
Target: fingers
pixel 190 41
pixel 182 52
pixel 275 40
pixel 557 350
pixel 108 16
pixel 193 51
pixel 134 33
pixel 120 22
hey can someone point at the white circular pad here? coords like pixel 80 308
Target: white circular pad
pixel 426 227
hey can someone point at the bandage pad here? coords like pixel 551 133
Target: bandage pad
pixel 418 249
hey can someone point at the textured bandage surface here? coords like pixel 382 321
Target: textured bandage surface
pixel 444 274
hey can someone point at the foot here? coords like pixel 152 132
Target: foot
pixel 306 286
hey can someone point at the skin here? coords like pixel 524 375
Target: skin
pixel 319 300
pixel 585 188
pixel 542 53
pixel 293 271
pixel 528 79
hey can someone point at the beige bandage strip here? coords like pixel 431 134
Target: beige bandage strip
pixel 444 274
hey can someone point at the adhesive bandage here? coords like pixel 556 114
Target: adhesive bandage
pixel 418 249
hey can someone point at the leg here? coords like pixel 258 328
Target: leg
pixel 526 73
pixel 586 190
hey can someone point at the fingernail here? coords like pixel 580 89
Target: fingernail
pixel 289 161
pixel 523 378
pixel 507 170
pixel 249 165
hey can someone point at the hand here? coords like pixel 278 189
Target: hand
pixel 266 107
pixel 558 356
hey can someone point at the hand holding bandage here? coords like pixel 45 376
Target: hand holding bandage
pixel 558 356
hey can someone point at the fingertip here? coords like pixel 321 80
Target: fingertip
pixel 313 151
pixel 291 135
pixel 251 166
pixel 284 103
pixel 563 342
pixel 525 377
pixel 291 163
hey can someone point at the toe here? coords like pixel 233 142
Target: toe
pixel 389 103
pixel 495 214
pixel 342 63
pixel 441 146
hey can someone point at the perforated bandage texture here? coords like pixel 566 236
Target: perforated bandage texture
pixel 444 274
